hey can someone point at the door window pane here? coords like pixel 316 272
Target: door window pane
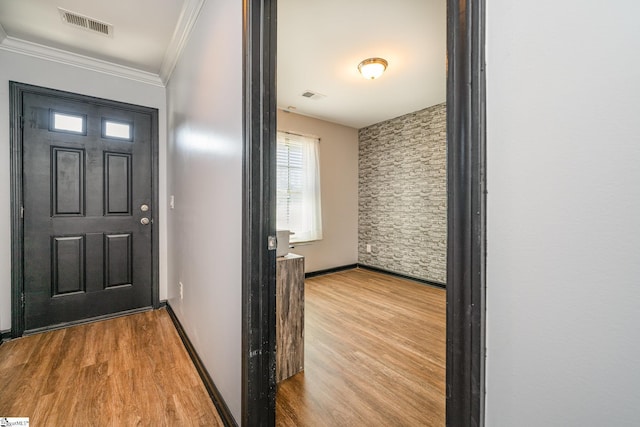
pixel 117 130
pixel 68 122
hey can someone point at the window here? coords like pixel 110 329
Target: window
pixel 116 130
pixel 298 187
pixel 71 123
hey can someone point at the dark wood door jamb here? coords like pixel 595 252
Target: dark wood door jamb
pixel 466 249
pixel 259 216
pixel 17 242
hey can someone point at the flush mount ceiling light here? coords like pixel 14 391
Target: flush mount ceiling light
pixel 372 68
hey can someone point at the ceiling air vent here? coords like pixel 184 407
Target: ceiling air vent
pixel 313 95
pixel 85 22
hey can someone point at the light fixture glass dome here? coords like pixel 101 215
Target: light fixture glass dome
pixel 372 68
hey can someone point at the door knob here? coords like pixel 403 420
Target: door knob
pixel 144 221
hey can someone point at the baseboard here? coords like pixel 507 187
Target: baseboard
pixel 379 270
pixel 5 336
pixel 214 393
pixel 162 303
pixel 329 270
pixel 404 276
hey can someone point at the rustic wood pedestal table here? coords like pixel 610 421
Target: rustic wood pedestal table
pixel 289 316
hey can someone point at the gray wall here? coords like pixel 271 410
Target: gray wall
pixel 563 263
pixel 339 191
pixel 204 104
pixel 403 194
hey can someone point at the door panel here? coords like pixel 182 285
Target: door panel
pixel 117 180
pixel 67 181
pixel 67 260
pixel 118 260
pixel 86 252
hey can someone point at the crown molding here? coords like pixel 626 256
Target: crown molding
pixel 3 34
pixel 186 22
pixel 12 44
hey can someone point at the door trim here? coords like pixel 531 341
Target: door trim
pixel 16 90
pixel 466 205
pixel 466 252
pixel 259 214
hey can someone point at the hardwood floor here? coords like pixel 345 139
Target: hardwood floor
pixel 128 371
pixel 375 349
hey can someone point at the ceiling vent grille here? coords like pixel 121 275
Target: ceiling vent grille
pixel 85 22
pixel 313 95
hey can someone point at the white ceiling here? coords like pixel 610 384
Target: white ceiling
pixel 143 29
pixel 320 44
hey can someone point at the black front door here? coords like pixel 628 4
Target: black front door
pixel 87 197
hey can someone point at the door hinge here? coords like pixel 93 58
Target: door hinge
pixel 272 243
pixel 21 122
pixel 21 211
pixel 22 299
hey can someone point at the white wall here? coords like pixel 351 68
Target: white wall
pixel 563 269
pixel 339 191
pixel 204 104
pixel 31 70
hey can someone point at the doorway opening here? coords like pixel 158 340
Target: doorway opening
pixel 466 213
pixel 382 157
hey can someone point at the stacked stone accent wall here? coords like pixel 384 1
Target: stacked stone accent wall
pixel 402 193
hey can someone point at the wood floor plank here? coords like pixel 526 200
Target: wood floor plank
pixel 128 371
pixel 375 349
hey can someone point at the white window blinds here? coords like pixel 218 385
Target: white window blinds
pixel 298 187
